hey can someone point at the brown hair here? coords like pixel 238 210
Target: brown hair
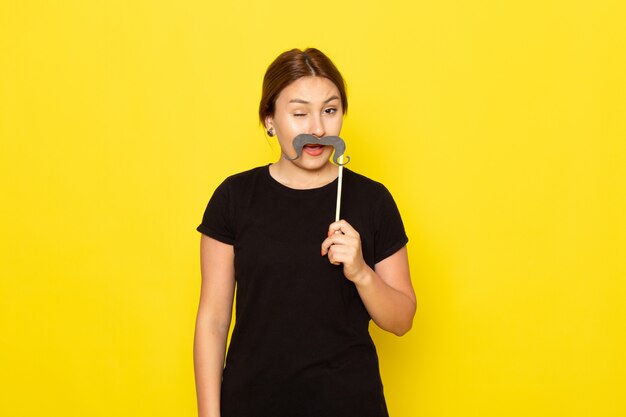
pixel 292 65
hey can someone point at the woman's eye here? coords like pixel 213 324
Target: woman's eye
pixel 330 111
pixel 299 114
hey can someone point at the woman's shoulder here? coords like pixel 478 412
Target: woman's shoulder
pixel 364 184
pixel 241 179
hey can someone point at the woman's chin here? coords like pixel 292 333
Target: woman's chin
pixel 315 163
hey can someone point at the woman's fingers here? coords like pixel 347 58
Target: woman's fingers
pixel 343 227
pixel 343 243
pixel 339 239
pixel 343 246
pixel 341 233
pixel 338 254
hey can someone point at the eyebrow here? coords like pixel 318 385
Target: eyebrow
pixel 299 100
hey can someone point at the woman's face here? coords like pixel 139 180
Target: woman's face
pixel 308 105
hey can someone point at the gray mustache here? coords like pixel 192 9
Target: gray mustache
pixel 334 141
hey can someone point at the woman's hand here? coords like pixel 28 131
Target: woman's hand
pixel 386 290
pixel 343 246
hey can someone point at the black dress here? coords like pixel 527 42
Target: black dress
pixel 300 346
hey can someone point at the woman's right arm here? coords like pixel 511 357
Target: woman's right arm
pixel 213 322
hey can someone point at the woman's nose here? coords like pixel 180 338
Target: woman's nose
pixel 317 129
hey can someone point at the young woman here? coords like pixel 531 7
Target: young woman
pixel 306 286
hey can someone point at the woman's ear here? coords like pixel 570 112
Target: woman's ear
pixel 269 122
pixel 269 126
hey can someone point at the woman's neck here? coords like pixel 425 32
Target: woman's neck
pixel 293 176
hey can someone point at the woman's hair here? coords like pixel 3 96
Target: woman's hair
pixel 292 65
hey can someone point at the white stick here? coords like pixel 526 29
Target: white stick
pixel 339 184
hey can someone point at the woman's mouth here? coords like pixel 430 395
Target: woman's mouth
pixel 313 150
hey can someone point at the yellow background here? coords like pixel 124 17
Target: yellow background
pixel 498 126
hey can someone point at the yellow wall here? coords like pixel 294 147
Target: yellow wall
pixel 498 126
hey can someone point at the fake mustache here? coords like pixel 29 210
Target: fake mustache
pixel 335 141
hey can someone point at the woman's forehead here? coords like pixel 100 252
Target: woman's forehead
pixel 307 90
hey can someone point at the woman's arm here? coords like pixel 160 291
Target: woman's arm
pixel 213 322
pixel 386 290
pixel 388 294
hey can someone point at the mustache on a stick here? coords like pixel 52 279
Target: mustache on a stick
pixel 335 141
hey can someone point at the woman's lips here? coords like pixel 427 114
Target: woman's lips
pixel 313 150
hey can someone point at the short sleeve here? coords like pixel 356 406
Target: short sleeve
pixel 217 221
pixel 390 234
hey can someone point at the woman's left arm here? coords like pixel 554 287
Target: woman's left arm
pixel 385 290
